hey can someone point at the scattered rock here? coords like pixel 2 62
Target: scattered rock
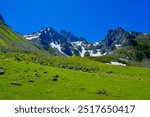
pixel 16 83
pixel 109 72
pixel 82 89
pixel 103 92
pixel 31 81
pixel 56 75
pixel 1 72
pixel 37 75
pixel 45 72
pixel 63 78
pixel 61 66
pixel 18 59
pixel 54 78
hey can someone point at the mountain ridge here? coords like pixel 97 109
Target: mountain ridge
pixel 70 45
pixel 126 45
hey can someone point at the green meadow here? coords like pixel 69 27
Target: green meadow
pixel 29 76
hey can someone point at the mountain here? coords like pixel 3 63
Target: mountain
pixel 115 38
pixel 12 41
pixel 70 37
pixel 127 46
pixel 134 46
pixel 135 49
pixel 63 43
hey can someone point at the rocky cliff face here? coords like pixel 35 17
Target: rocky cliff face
pixel 63 43
pixel 115 38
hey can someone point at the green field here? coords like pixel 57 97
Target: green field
pixel 28 76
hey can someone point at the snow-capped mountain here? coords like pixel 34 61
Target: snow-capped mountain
pixel 63 43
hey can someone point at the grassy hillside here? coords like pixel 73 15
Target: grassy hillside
pixel 10 40
pixel 29 76
pixel 28 73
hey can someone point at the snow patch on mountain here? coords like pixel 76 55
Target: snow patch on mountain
pixel 33 36
pixel 117 46
pixel 117 63
pixel 95 54
pixel 78 43
pixel 145 33
pixel 58 47
pixel 83 51
pixel 90 52
pixel 55 46
pixel 96 43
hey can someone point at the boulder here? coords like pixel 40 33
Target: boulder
pixel 54 78
pixel 103 92
pixel 37 75
pixel 1 72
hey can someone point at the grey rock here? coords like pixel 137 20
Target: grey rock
pixel 16 83
pixel 55 78
pixel 2 72
pixel 103 92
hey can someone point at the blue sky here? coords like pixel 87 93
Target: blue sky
pixel 85 18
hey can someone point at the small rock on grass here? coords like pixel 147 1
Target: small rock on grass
pixel 82 89
pixel 1 72
pixel 109 72
pixel 54 78
pixel 31 81
pixel 37 75
pixel 102 92
pixel 45 72
pixel 16 83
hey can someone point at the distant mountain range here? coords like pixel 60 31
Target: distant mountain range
pixel 64 43
pixel 119 42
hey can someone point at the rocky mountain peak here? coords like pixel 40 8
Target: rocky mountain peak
pixel 119 29
pixel 116 37
pixel 70 37
pixel 68 44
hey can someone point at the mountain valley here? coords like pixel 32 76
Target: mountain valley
pixel 56 65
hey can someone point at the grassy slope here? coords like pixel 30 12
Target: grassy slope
pixel 13 41
pixel 119 82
